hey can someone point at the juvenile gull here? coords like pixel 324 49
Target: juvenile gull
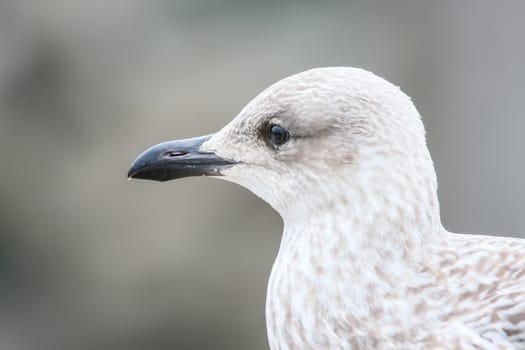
pixel 364 261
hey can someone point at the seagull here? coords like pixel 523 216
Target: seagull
pixel 364 261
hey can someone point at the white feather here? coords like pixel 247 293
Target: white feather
pixel 364 261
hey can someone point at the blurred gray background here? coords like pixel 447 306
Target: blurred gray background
pixel 89 260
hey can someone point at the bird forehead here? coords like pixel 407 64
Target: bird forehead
pixel 300 103
pixel 325 91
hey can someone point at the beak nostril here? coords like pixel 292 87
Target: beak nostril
pixel 175 153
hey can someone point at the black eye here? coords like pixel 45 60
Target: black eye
pixel 277 135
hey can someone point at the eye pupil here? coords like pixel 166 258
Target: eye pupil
pixel 278 135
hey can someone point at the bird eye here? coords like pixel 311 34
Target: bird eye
pixel 277 135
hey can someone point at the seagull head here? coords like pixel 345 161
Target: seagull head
pixel 315 138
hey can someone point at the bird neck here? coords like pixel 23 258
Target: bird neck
pixel 383 215
pixel 362 233
pixel 349 243
pixel 333 270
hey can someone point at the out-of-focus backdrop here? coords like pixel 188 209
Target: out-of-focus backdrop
pixel 89 260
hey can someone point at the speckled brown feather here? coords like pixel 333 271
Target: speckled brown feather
pixel 364 261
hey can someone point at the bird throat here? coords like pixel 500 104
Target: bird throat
pixel 334 267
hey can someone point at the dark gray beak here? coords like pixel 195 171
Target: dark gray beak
pixel 176 159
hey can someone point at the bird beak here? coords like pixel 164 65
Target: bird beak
pixel 175 159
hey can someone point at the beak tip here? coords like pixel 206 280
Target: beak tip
pixel 132 171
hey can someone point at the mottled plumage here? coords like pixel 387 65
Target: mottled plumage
pixel 364 261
